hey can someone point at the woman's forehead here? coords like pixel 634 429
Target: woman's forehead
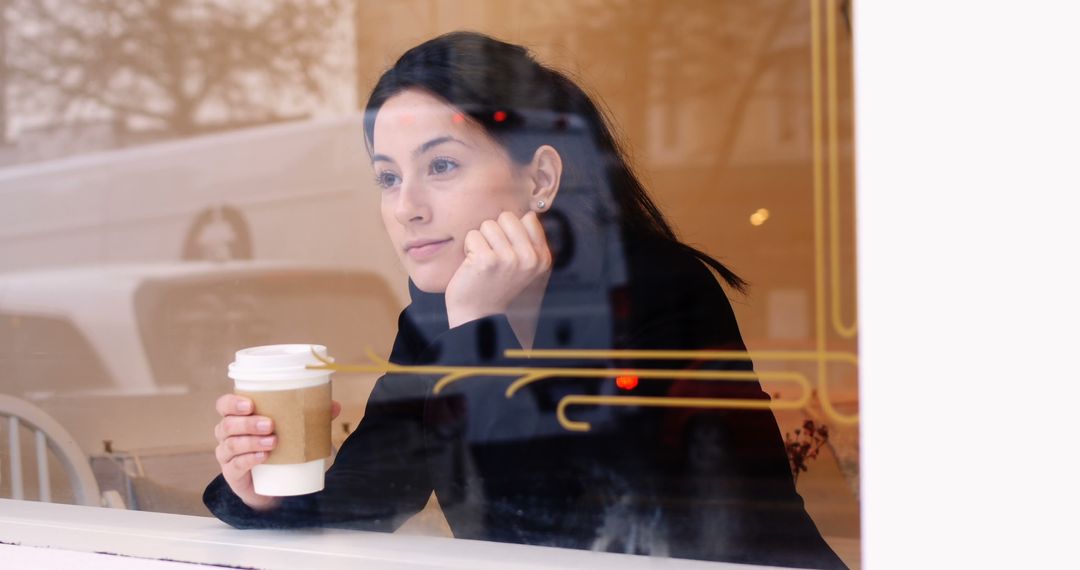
pixel 412 117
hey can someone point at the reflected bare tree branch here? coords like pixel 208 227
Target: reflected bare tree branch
pixel 169 67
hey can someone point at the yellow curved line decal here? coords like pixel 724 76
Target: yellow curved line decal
pixel 664 402
pixel 831 63
pixel 529 375
pixel 822 358
pixel 729 375
pixel 750 355
pixel 820 219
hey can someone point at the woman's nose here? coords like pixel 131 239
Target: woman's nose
pixel 412 205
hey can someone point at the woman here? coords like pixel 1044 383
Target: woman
pixel 522 226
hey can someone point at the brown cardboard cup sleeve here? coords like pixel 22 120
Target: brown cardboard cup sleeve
pixel 301 422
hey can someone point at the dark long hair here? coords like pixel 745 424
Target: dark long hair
pixel 522 105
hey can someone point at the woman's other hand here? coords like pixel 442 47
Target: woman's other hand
pixel 502 259
pixel 244 441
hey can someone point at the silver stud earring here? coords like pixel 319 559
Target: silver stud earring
pixel 540 204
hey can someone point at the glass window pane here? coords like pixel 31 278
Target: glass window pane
pixel 676 375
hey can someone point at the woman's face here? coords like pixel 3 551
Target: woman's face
pixel 440 176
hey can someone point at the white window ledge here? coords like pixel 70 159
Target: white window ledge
pixel 91 536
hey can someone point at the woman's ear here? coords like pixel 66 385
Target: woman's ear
pixel 546 170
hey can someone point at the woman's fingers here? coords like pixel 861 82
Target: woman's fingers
pixel 237 445
pixel 532 225
pixel 243 425
pixel 240 466
pixel 524 250
pixel 509 241
pixel 502 258
pixel 335 409
pixel 531 255
pixel 497 240
pixel 477 248
pixel 233 405
pixel 244 440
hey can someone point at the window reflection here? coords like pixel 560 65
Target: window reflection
pixel 44 355
pixel 743 140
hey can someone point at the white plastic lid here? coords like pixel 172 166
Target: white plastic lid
pixel 278 362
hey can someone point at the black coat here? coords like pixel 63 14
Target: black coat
pixel 689 483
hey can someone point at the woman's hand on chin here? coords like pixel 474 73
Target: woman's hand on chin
pixel 502 258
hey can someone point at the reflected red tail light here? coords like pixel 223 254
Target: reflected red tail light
pixel 626 382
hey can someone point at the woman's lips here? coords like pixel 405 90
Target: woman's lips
pixel 427 250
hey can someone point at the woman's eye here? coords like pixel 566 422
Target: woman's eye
pixel 442 166
pixel 386 180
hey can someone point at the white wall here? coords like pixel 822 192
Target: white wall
pixel 968 147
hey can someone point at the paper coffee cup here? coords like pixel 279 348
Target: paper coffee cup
pixel 277 380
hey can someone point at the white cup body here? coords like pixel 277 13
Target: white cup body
pixel 273 368
pixel 289 480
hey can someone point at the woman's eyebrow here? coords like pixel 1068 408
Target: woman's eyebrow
pixel 423 148
pixel 434 143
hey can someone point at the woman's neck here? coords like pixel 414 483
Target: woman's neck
pixel 524 312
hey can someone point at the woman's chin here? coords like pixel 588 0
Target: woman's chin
pixel 429 284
